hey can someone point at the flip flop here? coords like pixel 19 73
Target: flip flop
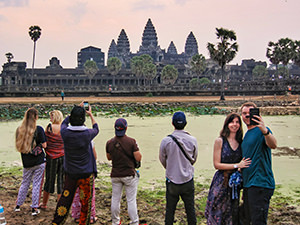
pixel 42 206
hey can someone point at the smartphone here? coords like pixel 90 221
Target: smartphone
pixel 253 111
pixel 86 105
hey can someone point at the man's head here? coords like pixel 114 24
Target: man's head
pixel 77 117
pixel 245 111
pixel 120 127
pixel 179 120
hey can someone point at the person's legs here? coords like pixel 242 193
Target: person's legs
pixel 76 205
pixel 85 194
pixel 93 209
pixel 117 187
pixel 131 185
pixel 26 180
pixel 38 179
pixel 187 194
pixel 64 203
pixel 172 197
pixel 49 182
pixel 259 200
pixel 60 176
pixel 246 207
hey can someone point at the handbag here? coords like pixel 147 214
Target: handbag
pixel 181 148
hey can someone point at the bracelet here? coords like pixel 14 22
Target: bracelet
pixel 268 132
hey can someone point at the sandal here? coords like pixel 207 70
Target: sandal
pixel 93 220
pixel 42 206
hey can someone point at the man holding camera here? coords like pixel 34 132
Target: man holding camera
pixel 258 179
pixel 123 151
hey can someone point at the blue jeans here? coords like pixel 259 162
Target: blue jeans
pixel 186 192
pixel 256 204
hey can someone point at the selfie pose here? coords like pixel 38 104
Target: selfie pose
pixel 258 179
pixel 223 202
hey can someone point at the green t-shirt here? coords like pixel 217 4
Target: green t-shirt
pixel 259 173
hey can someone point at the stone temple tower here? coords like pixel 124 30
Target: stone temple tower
pixel 172 49
pixel 112 51
pixel 150 44
pixel 191 45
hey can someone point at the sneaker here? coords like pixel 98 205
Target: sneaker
pixel 17 208
pixel 34 211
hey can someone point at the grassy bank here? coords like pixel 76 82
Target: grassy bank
pixel 151 201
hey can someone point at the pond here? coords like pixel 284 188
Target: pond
pixel 149 132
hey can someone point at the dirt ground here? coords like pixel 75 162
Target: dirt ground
pixel 36 100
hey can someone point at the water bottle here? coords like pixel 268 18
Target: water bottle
pixel 2 216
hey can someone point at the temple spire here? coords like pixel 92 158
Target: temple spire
pixel 191 45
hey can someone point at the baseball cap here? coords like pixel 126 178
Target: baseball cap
pixel 120 127
pixel 179 120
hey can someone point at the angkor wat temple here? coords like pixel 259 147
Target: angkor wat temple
pixel 18 80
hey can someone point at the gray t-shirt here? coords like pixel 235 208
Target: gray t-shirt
pixel 179 169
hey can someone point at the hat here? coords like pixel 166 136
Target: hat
pixel 179 120
pixel 120 127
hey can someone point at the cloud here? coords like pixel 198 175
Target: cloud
pixel 145 5
pixel 77 11
pixel 13 3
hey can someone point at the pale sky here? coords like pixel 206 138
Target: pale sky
pixel 69 25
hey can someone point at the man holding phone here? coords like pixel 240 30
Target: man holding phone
pixel 258 179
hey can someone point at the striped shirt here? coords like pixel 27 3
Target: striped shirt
pixel 55 145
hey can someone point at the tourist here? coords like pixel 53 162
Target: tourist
pixel 54 158
pixel 30 141
pixel 62 94
pixel 178 162
pixel 76 205
pixel 79 165
pixel 223 202
pixel 123 151
pixel 258 179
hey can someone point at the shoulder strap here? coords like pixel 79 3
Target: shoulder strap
pixel 181 148
pixel 129 156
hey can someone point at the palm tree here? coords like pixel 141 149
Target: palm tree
pixel 259 71
pixel 169 74
pixel 223 52
pixel 114 66
pixel 149 72
pixel 273 54
pixel 35 34
pixel 9 57
pixel 90 69
pixel 296 58
pixel 198 64
pixel 136 65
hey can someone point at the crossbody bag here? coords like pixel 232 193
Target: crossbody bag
pixel 181 148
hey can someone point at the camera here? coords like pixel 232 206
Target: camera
pixel 86 105
pixel 253 111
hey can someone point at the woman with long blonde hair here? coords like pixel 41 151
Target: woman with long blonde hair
pixel 30 141
pixel 54 159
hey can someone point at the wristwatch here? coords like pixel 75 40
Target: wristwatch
pixel 268 132
pixel 235 166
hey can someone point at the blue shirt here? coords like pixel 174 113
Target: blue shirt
pixel 259 173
